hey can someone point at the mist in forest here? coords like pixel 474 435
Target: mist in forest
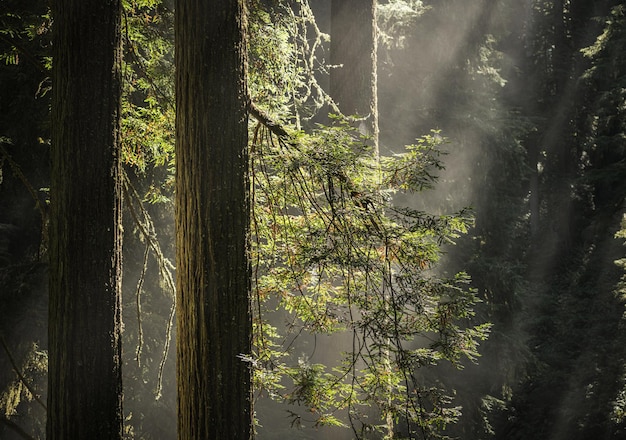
pixel 468 70
pixel 415 97
pixel 531 105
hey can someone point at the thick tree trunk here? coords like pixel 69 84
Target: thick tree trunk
pixel 353 47
pixel 212 222
pixel 85 385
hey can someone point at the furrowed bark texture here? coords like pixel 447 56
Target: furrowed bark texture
pixel 212 221
pixel 85 385
pixel 353 46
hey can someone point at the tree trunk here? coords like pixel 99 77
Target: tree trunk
pixel 212 222
pixel 354 85
pixel 85 384
pixel 353 48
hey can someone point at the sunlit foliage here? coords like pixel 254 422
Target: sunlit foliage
pixel 396 18
pixel 148 95
pixel 332 250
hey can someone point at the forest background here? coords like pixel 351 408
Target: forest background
pixel 531 98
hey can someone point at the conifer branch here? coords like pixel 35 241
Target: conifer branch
pixel 19 373
pixel 141 66
pixel 21 49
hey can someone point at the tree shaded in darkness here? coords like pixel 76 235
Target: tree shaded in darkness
pixel 534 123
pixel 85 383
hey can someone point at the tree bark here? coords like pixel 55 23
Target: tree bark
pixel 212 222
pixel 85 384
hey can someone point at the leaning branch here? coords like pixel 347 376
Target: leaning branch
pixel 268 122
pixel 19 373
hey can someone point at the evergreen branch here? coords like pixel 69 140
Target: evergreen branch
pixel 141 67
pixel 21 49
pixel 19 373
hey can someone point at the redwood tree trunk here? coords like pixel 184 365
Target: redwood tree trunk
pixel 84 384
pixel 212 222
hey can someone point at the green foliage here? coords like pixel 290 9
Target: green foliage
pixel 20 27
pixel 396 18
pixel 332 250
pixel 148 109
pixel 274 74
pixel 148 136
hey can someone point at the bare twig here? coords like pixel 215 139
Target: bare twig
pixel 146 227
pixel 140 282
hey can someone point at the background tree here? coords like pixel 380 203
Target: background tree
pixel 519 102
pixel 84 384
pixel 575 314
pixel 212 221
pixel 353 59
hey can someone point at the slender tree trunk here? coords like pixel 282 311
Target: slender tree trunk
pixel 353 47
pixel 85 385
pixel 354 85
pixel 212 222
